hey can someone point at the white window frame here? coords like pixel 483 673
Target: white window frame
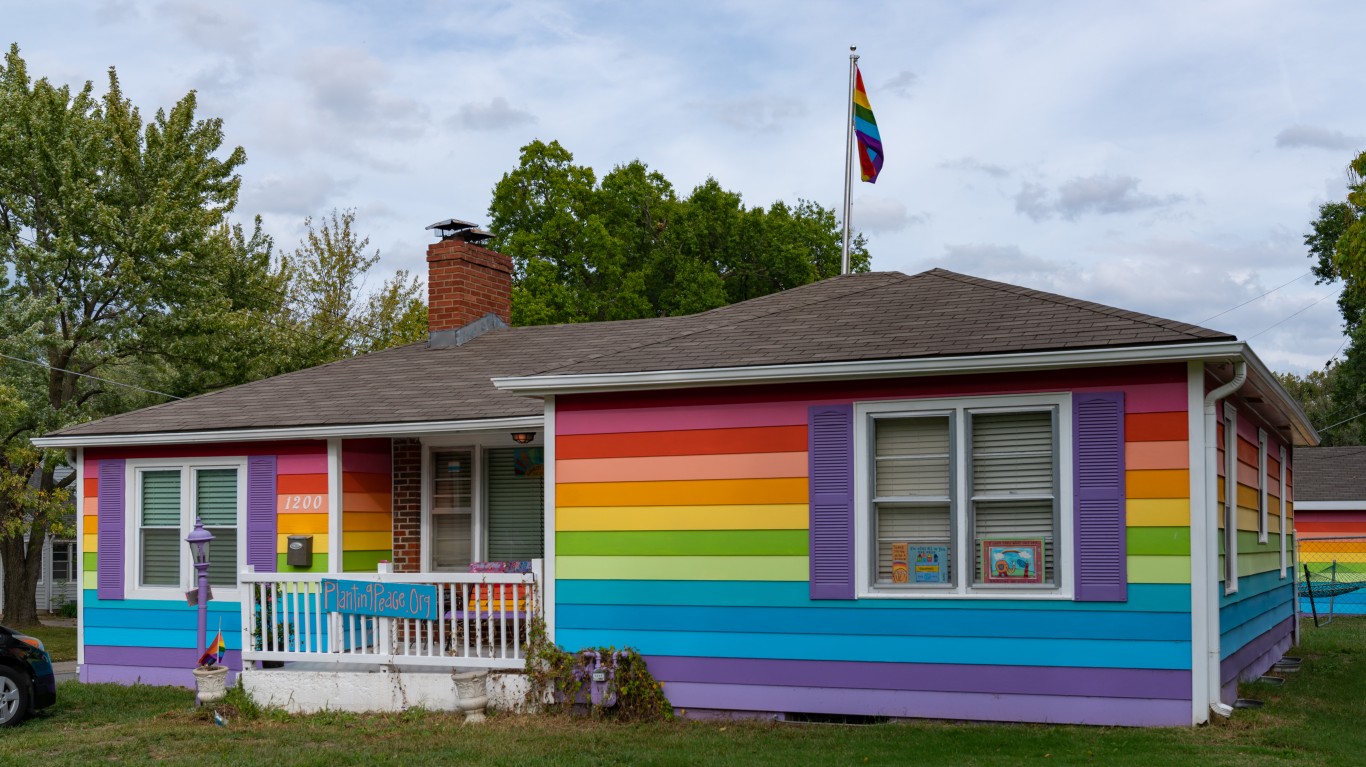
pixel 1230 499
pixel 476 499
pixel 1263 509
pixel 132 518
pixel 964 588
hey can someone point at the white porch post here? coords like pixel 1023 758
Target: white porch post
pixel 548 584
pixel 334 505
pixel 80 559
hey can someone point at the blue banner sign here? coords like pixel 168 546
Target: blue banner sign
pixel 391 600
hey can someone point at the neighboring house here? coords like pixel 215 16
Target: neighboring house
pixel 57 576
pixel 921 496
pixel 1330 521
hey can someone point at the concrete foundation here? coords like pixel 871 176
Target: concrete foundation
pixel 311 687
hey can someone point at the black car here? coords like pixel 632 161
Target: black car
pixel 26 680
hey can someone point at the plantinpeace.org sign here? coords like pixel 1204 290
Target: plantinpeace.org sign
pixel 390 600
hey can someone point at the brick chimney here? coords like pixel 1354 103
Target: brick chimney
pixel 469 287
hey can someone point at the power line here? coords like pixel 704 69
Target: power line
pixel 1296 314
pixel 1250 300
pixel 87 375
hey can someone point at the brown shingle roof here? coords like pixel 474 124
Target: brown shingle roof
pixel 1330 473
pixel 880 315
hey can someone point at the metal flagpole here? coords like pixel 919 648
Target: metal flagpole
pixel 848 160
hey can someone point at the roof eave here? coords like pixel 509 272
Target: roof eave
pixel 1211 351
pixel 345 431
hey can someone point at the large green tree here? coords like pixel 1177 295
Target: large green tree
pixel 120 278
pixel 1337 246
pixel 628 246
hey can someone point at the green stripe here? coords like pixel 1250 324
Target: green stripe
pixel 364 561
pixel 319 565
pixel 1159 569
pixel 1159 541
pixel 865 113
pixel 683 568
pixel 683 543
pixel 89 561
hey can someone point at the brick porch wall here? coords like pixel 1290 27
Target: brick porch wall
pixel 407 506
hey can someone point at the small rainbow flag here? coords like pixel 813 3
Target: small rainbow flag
pixel 215 652
pixel 865 129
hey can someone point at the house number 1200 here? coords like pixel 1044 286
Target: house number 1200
pixel 304 502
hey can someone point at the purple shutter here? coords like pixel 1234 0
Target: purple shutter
pixel 1098 487
pixel 109 560
pixel 261 513
pixel 831 463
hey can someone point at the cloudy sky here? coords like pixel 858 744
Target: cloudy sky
pixel 1165 157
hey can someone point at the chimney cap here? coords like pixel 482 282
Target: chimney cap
pixel 457 229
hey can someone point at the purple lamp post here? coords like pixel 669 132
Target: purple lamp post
pixel 199 539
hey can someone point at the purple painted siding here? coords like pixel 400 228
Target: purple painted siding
pixel 1098 489
pixel 933 705
pixel 261 513
pixel 170 657
pixel 942 677
pixel 109 555
pixel 1256 656
pixel 831 465
pixel 160 676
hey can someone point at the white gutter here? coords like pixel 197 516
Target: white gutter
pixel 410 429
pixel 1330 505
pixel 1211 539
pixel 893 368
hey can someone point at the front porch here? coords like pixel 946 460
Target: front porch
pixel 334 656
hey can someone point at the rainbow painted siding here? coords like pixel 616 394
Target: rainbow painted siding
pixel 153 640
pixel 367 504
pixel 1256 623
pixel 1349 555
pixel 682 530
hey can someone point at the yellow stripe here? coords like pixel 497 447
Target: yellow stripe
pixel 319 543
pixel 862 100
pixel 684 568
pixel 1158 512
pixel 714 492
pixel 88 543
pixel 367 541
pixel 771 517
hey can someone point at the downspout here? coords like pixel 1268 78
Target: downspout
pixel 1214 687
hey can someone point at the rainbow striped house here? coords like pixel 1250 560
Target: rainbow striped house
pixel 910 496
pixel 1331 525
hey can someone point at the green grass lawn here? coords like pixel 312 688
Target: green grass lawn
pixel 1315 719
pixel 59 641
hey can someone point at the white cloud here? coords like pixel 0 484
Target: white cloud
pixel 882 214
pixel 1099 194
pixel 496 114
pixel 1315 137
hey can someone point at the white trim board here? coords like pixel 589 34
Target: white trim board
pixel 1329 505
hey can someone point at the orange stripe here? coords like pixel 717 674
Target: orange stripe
pixel 695 493
pixel 361 482
pixel 759 439
pixel 315 524
pixel 1156 455
pixel 1164 483
pixel 301 484
pixel 1247 453
pixel 683 467
pixel 1154 427
pixel 359 522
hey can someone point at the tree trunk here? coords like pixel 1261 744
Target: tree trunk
pixel 22 561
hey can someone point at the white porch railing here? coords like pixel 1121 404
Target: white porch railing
pixel 483 620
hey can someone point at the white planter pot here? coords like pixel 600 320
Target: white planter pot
pixel 211 683
pixel 471 689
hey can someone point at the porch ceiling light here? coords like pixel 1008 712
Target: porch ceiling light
pixel 523 437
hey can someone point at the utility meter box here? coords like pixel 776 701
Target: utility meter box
pixel 300 551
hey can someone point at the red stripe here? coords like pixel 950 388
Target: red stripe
pixel 764 439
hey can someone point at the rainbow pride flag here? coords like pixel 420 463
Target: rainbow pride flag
pixel 865 130
pixel 215 652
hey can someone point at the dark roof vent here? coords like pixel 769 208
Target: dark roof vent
pixel 455 229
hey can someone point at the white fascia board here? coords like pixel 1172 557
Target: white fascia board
pixel 1329 505
pixel 413 429
pixel 895 368
pixel 1263 374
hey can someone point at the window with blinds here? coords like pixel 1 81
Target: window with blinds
pixel 516 504
pixel 1014 481
pixel 215 505
pixel 159 520
pixel 912 496
pixel 948 477
pixel 452 495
